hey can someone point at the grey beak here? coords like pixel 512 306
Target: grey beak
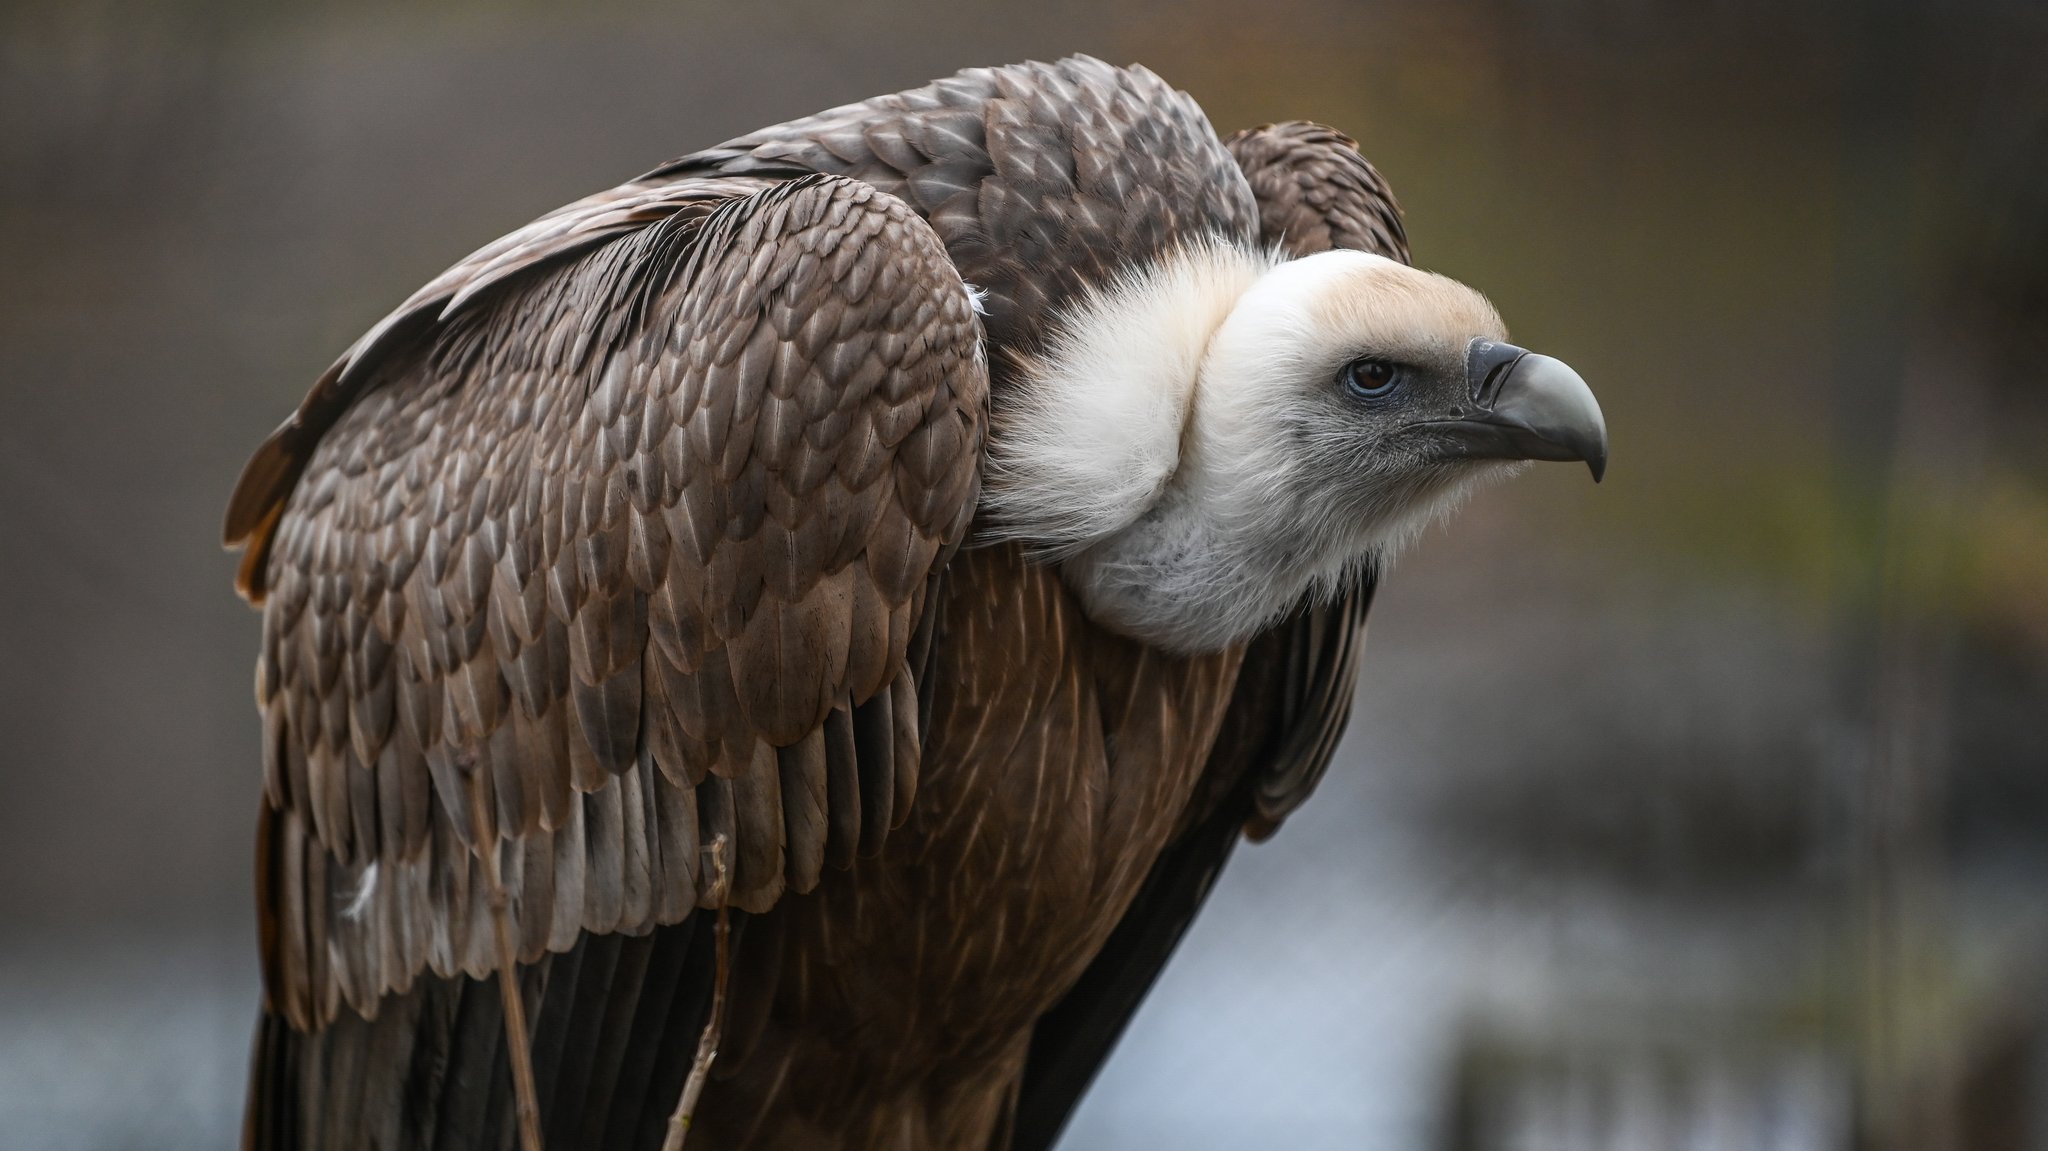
pixel 1530 407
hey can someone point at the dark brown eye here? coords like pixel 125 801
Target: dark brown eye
pixel 1370 378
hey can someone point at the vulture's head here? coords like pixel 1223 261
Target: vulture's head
pixel 1204 441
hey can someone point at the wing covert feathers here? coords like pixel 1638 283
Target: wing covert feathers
pixel 638 538
pixel 1041 178
pixel 270 474
pixel 1317 192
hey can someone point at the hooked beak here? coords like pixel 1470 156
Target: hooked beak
pixel 1530 407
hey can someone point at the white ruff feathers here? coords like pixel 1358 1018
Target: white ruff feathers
pixel 1085 442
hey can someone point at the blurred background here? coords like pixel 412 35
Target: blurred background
pixel 1704 809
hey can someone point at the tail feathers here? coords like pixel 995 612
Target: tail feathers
pixel 614 1027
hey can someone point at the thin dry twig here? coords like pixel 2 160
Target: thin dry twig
pixel 707 1041
pixel 527 1099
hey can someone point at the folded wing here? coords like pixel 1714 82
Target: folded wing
pixel 633 530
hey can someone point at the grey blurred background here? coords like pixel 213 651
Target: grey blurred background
pixel 1704 809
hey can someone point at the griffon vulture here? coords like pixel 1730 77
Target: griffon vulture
pixel 823 611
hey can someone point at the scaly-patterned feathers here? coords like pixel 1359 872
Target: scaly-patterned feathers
pixel 613 541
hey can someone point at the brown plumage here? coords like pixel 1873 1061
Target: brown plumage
pixel 648 520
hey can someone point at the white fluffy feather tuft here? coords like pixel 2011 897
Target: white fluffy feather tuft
pixel 1088 437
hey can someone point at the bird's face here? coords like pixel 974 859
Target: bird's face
pixel 1353 399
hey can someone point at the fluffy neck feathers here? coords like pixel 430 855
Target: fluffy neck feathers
pixel 1089 435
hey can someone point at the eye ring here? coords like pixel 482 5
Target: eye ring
pixel 1370 377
